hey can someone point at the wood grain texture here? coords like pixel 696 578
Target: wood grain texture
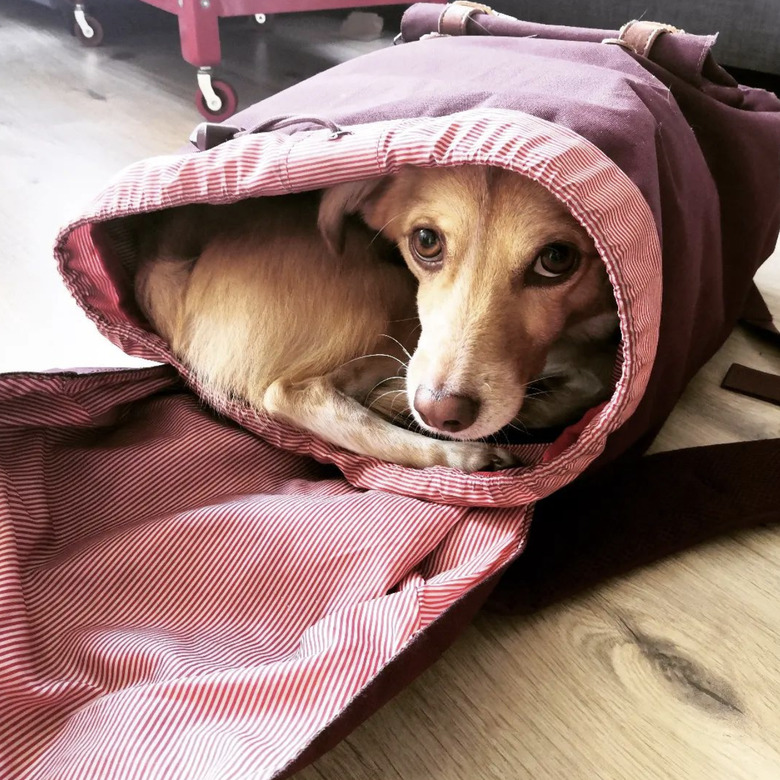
pixel 670 672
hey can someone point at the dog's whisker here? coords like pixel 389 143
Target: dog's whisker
pixel 542 378
pixel 534 393
pixel 374 355
pixel 392 338
pixel 522 429
pixel 381 230
pixel 393 390
pixel 382 381
pixel 406 420
pixel 389 392
pixel 505 435
pixel 413 425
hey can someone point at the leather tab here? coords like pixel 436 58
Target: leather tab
pixel 639 36
pixel 753 383
pixel 455 16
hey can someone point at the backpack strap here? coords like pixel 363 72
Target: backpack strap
pixel 752 382
pixel 633 513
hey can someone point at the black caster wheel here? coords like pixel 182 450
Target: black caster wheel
pixel 228 99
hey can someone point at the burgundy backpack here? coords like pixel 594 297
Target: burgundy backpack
pixel 196 592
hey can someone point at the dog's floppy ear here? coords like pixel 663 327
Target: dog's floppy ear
pixel 341 201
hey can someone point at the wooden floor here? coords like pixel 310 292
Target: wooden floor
pixel 672 672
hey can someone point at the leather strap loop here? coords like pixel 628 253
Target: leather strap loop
pixel 639 36
pixel 455 16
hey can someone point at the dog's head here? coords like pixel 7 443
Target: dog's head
pixel 504 272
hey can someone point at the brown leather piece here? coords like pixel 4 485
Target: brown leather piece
pixel 454 17
pixel 640 36
pixel 752 382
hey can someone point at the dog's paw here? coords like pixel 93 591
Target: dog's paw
pixel 472 456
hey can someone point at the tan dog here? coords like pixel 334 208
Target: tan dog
pixel 335 336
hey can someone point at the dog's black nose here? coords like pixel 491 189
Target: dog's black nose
pixel 444 411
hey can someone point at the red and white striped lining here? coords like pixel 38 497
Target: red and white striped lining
pixel 598 193
pixel 180 598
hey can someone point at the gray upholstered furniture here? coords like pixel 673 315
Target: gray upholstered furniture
pixel 749 29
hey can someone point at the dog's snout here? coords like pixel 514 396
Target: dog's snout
pixel 445 411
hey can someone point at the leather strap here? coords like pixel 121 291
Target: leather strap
pixel 455 16
pixel 207 135
pixel 752 382
pixel 639 36
pixel 637 512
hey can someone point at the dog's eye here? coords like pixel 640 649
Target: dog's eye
pixel 556 261
pixel 426 245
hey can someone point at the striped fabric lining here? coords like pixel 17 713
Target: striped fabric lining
pixel 181 598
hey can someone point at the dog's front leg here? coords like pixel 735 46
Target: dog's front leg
pixel 317 405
